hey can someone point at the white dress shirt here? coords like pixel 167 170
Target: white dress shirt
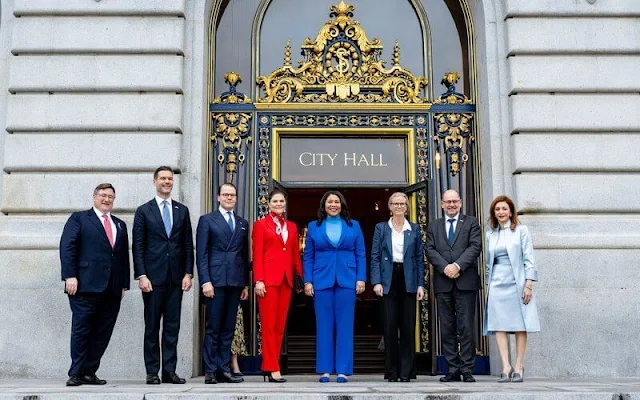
pixel 100 214
pixel 446 230
pixel 159 200
pixel 397 240
pixel 225 215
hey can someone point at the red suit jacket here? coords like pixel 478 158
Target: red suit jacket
pixel 273 260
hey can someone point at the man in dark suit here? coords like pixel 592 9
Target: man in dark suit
pixel 163 265
pixel 453 246
pixel 94 254
pixel 222 256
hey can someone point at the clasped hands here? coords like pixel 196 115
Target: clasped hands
pixel 308 288
pixel 451 271
pixel 377 289
pixel 145 284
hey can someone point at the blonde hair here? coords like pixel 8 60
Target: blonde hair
pixel 397 194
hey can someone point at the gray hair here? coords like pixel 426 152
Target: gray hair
pixel 397 194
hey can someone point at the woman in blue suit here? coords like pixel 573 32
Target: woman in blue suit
pixel 510 273
pixel 397 275
pixel 335 270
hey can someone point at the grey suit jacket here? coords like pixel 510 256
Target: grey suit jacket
pixel 464 251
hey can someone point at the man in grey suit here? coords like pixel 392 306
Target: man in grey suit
pixel 453 246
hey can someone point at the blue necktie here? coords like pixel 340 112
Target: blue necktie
pixel 450 235
pixel 166 217
pixel 230 220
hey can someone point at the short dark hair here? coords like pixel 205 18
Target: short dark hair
pixel 344 209
pixel 161 168
pixel 493 221
pixel 103 186
pixel 227 184
pixel 275 192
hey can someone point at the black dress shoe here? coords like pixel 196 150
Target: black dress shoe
pixel 405 380
pixel 451 377
pixel 237 374
pixel 74 381
pixel 92 380
pixel 210 378
pixel 392 379
pixel 467 377
pixel 173 378
pixel 152 379
pixel 228 378
pixel 276 380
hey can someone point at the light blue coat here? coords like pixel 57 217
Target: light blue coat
pixel 520 250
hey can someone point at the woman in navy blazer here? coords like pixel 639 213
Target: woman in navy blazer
pixel 397 275
pixel 335 270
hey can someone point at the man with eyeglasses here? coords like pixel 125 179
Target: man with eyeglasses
pixel 163 265
pixel 94 255
pixel 453 246
pixel 222 257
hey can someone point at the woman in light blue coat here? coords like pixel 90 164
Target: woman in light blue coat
pixel 510 273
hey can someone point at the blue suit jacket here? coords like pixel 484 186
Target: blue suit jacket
pixel 86 254
pixel 326 265
pixel 222 256
pixel 382 258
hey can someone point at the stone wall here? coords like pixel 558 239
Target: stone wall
pixel 93 92
pixel 573 134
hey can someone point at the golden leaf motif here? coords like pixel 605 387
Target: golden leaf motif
pixel 349 65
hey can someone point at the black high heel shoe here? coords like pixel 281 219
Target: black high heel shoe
pixel 266 375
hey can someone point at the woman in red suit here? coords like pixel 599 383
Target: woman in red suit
pixel 276 258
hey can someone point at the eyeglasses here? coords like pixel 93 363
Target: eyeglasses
pixel 451 201
pixel 398 204
pixel 227 195
pixel 106 196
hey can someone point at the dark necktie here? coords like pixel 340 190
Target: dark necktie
pixel 451 233
pixel 230 220
pixel 166 218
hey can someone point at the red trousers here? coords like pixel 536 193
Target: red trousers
pixel 273 308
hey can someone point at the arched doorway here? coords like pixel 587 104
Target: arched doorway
pixel 328 94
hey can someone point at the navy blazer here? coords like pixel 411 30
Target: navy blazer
pixel 325 265
pixel 382 258
pixel 466 247
pixel 156 255
pixel 222 256
pixel 86 254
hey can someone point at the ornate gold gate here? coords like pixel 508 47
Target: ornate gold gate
pixel 343 84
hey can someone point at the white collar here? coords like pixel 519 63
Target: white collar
pixel 100 213
pixel 223 211
pixel 457 217
pixel 405 227
pixel 159 200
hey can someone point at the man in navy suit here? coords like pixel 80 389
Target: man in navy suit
pixel 163 265
pixel 222 256
pixel 453 246
pixel 94 254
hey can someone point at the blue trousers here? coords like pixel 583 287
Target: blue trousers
pixel 221 323
pixel 335 309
